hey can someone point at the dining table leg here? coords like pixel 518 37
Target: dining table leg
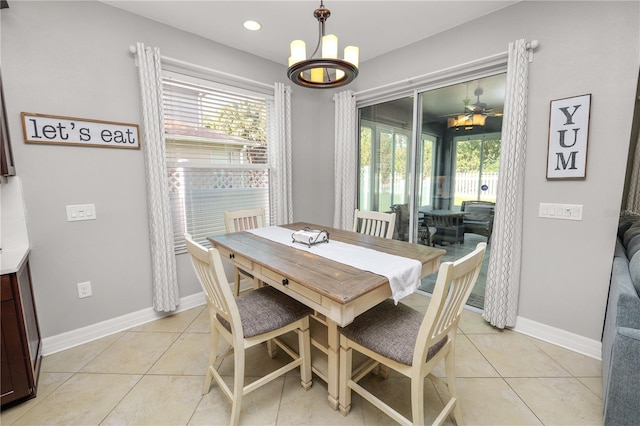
pixel 333 361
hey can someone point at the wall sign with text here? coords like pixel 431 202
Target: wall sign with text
pixel 56 130
pixel 568 136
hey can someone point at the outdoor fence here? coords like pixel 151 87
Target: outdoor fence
pixel 468 186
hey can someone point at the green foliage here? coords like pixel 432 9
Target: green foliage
pixel 427 157
pixel 365 146
pixel 387 156
pixel 391 151
pixel 244 119
pixel 468 156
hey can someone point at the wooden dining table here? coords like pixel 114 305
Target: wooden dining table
pixel 336 291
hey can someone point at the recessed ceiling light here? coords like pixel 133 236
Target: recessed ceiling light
pixel 251 25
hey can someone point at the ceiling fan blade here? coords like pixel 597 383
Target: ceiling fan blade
pixel 467 116
pixel 479 109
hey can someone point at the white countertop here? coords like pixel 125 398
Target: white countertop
pixel 14 237
pixel 11 260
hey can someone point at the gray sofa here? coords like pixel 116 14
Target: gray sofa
pixel 621 336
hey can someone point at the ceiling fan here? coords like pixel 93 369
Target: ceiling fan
pixel 473 114
pixel 478 107
pixel 475 108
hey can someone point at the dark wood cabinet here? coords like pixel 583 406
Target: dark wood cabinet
pixel 20 354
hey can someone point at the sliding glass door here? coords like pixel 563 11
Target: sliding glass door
pixel 432 158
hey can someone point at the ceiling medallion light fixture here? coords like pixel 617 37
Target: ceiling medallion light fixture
pixel 326 71
pixel 466 121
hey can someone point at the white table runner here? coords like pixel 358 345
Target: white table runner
pixel 403 273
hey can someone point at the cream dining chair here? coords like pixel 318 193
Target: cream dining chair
pixel 246 321
pixel 242 220
pixel 374 223
pixel 411 343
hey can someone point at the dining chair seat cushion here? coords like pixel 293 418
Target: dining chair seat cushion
pixel 266 309
pixel 390 330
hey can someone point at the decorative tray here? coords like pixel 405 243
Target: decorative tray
pixel 310 236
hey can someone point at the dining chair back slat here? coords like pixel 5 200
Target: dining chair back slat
pixel 243 220
pixel 453 287
pixel 210 272
pixel 374 223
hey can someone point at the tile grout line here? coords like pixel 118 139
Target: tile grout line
pixel 506 382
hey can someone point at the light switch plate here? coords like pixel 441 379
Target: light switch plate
pixel 81 212
pixel 560 211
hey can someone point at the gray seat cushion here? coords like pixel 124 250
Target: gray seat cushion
pixel 634 271
pixel 390 330
pixel 622 228
pixel 266 309
pixel 630 233
pixel 619 250
pixel 633 247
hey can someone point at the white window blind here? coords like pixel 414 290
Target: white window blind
pixel 216 153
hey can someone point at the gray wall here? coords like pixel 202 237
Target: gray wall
pixel 313 155
pixel 72 59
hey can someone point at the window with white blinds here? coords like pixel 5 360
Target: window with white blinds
pixel 216 154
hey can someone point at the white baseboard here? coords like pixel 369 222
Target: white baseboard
pixel 574 342
pixel 60 342
pixel 69 339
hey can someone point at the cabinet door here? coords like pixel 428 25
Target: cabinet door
pixel 14 361
pixel 30 318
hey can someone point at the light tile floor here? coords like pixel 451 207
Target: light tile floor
pixel 152 375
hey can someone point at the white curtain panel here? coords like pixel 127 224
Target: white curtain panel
pixel 163 261
pixel 503 277
pixel 633 199
pixel 346 159
pixel 280 156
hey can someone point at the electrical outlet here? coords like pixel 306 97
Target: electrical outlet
pixel 84 290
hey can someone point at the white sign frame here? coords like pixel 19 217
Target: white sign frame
pixel 59 130
pixel 568 138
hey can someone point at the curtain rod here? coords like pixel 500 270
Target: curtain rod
pixel 183 64
pixel 423 78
